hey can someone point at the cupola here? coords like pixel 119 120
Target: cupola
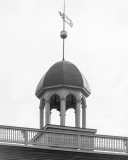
pixel 63 87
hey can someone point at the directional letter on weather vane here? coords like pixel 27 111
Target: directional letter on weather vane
pixel 66 19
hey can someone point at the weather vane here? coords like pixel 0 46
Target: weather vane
pixel 63 33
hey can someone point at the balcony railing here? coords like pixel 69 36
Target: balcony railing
pixel 72 140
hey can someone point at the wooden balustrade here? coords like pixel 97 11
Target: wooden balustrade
pixel 92 142
pixel 11 135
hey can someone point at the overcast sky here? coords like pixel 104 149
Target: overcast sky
pixel 97 44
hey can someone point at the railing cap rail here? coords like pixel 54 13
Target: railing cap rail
pixel 20 128
pixel 109 136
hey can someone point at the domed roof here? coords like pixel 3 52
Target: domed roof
pixel 63 74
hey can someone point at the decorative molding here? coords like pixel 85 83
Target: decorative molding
pixel 45 89
pixel 78 101
pixel 41 107
pixel 47 101
pixel 63 99
pixel 41 104
pixel 84 102
pixel 76 94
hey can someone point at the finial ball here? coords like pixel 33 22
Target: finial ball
pixel 63 34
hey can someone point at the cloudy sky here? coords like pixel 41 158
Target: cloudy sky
pixel 97 44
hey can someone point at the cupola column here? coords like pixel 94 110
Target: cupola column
pixel 62 111
pixel 47 112
pixel 77 113
pixel 41 113
pixel 84 112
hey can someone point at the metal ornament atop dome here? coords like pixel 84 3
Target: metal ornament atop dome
pixel 64 34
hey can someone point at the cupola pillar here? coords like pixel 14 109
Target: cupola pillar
pixel 77 113
pixel 62 111
pixel 84 106
pixel 47 112
pixel 41 113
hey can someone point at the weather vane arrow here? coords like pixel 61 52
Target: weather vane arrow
pixel 63 33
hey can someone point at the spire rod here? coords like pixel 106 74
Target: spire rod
pixel 64 18
pixel 63 33
pixel 63 51
pixel 63 30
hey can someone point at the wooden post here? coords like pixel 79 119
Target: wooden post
pixel 127 146
pixel 79 141
pixel 26 137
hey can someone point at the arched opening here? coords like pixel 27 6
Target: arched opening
pixel 70 101
pixel 55 102
pixel 55 109
pixel 70 110
pixel 55 117
pixel 70 117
